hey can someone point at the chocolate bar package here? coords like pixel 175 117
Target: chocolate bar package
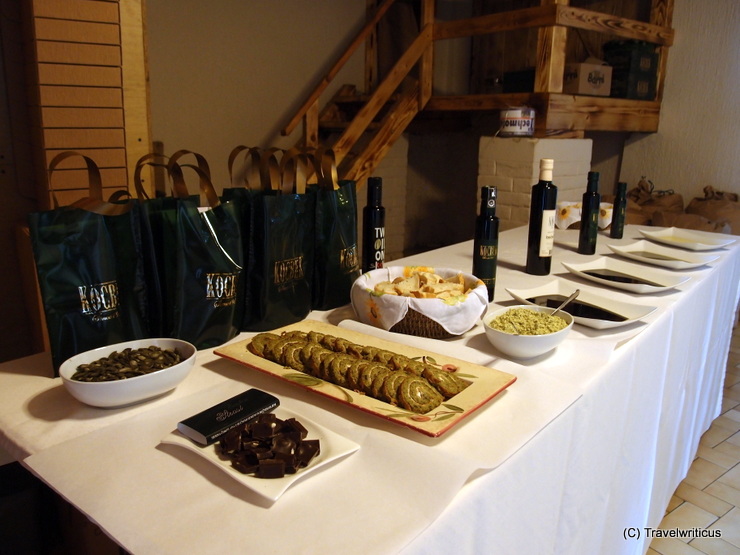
pixel 207 426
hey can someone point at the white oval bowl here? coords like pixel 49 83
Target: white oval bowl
pixel 525 346
pixel 131 390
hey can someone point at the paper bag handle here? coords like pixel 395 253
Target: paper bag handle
pixel 94 202
pixel 251 166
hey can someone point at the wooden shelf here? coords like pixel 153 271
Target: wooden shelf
pixel 558 114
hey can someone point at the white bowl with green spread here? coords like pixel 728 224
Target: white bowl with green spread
pixel 526 331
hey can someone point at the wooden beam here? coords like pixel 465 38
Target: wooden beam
pixel 311 126
pixel 549 15
pixel 661 13
pixel 371 48
pixel 135 75
pixel 574 112
pixel 613 25
pixel 426 67
pixel 551 43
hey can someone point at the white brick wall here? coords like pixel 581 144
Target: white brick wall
pixel 512 165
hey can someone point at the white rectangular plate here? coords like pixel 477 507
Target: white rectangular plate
pixel 333 446
pixel 650 253
pixel 559 291
pixel 485 383
pixel 688 238
pixel 660 280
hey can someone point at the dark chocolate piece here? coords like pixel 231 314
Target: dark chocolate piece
pixel 265 426
pixel 292 425
pixel 268 447
pixel 307 450
pixel 271 468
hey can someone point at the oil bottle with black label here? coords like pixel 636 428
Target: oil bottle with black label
pixel 373 226
pixel 590 206
pixel 485 242
pixel 619 212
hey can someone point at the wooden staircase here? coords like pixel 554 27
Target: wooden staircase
pixel 362 127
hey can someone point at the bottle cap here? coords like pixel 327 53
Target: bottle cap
pixel 374 191
pixel 621 187
pixel 546 165
pixel 488 198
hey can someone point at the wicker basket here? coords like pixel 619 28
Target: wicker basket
pixel 415 323
pixel 429 318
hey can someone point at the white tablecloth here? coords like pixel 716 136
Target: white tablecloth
pixel 589 442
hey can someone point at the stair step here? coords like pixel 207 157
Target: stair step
pixel 338 126
pixel 357 98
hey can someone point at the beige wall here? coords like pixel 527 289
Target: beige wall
pixel 229 72
pixel 698 142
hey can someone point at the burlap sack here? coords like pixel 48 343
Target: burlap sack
pixel 651 201
pixel 688 221
pixel 719 207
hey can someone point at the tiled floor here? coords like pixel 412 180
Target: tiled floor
pixel 709 497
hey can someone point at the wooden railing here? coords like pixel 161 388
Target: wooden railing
pixel 309 110
pixel 410 101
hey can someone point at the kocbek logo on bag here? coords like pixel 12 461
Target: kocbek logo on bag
pixel 99 301
pixel 287 271
pixel 221 288
pixel 349 260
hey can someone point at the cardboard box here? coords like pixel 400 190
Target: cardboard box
pixel 591 78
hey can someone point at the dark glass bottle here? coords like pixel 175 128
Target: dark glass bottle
pixel 485 243
pixel 619 212
pixel 373 226
pixel 589 215
pixel 542 222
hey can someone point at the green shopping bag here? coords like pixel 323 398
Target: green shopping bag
pixel 337 262
pixel 90 266
pixel 197 246
pixel 281 247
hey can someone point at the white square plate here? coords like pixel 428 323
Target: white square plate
pixel 617 313
pixel 646 251
pixel 639 279
pixel 333 446
pixel 688 238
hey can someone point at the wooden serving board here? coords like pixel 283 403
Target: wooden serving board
pixel 485 383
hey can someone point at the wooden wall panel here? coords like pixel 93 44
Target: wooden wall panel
pixel 105 158
pixel 71 53
pixel 82 117
pixel 92 97
pixel 79 75
pixel 78 90
pixel 77 10
pixel 73 139
pixel 67 183
pixel 78 31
